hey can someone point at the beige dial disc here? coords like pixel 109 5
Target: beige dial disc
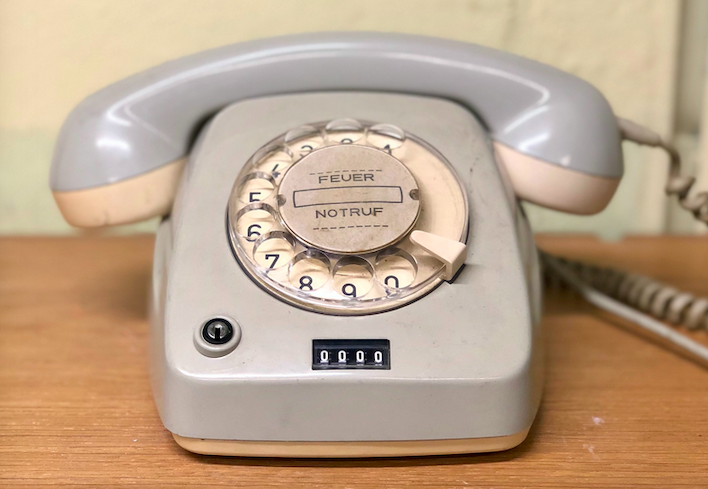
pixel 349 199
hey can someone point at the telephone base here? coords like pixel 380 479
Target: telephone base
pixel 349 449
pixel 463 365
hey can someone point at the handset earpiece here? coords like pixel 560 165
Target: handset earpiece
pixel 121 151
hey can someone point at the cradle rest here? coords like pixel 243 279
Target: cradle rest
pixel 120 152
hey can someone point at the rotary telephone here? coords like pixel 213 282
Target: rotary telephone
pixel 343 268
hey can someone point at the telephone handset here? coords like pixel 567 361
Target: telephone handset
pixel 310 296
pixel 556 134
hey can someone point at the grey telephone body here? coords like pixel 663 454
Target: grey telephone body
pixel 466 359
pixel 343 268
pixel 254 155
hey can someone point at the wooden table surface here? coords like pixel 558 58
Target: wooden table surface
pixel 76 407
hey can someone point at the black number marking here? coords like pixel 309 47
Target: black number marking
pixel 275 167
pixel 349 289
pixel 387 148
pixel 347 141
pixel 306 148
pixel 251 232
pixel 251 197
pixel 274 256
pixel 306 282
pixel 395 281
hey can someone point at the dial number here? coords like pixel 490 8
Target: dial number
pixel 273 252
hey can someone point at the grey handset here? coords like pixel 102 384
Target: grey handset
pixel 555 134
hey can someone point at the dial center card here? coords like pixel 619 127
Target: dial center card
pixel 349 199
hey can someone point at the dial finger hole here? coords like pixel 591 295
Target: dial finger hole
pixel 256 187
pixel 353 277
pixel 309 270
pixel 345 137
pixel 395 269
pixel 274 250
pixel 274 168
pixel 386 137
pixel 344 131
pixel 275 164
pixel 274 151
pixel 255 220
pixel 305 146
pixel 303 140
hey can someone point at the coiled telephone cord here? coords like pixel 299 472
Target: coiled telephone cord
pixel 642 300
pixel 650 296
pixel 677 184
pixel 635 298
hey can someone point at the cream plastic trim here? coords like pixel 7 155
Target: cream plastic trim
pixel 349 449
pixel 506 181
pixel 554 187
pixel 452 253
pixel 138 198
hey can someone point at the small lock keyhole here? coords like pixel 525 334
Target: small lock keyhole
pixel 217 331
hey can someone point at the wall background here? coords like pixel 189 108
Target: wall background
pixel 53 53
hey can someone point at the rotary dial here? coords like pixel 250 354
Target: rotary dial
pixel 348 217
